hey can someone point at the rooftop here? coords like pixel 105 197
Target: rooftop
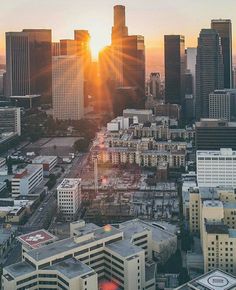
pixel 213 280
pixel 69 183
pixel 124 248
pixel 213 203
pixel 43 159
pixel 71 268
pixel 136 226
pixel 18 269
pixel 216 228
pixel 37 238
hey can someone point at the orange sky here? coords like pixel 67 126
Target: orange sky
pixel 151 18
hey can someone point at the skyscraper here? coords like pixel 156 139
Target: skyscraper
pixel 29 63
pixel 67 88
pixel 119 31
pixel 17 60
pixel 209 70
pixel 174 68
pixel 134 63
pixel 224 28
pixel 154 85
pixel 191 64
pixel 82 38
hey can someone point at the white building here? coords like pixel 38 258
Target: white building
pixel 221 104
pixel 92 257
pixel 69 197
pixel 10 120
pixel 48 162
pixel 67 88
pixel 25 180
pixel 216 168
pixel 142 115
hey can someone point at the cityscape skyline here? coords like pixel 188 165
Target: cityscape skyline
pixel 64 19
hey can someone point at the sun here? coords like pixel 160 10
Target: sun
pixel 97 43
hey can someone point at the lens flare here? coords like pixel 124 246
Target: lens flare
pixel 107 228
pixel 108 286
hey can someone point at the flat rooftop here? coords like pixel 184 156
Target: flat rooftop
pixel 136 226
pixel 29 170
pixel 216 228
pixel 43 159
pixel 124 248
pixel 71 268
pixel 225 152
pixel 68 244
pixel 214 280
pixel 36 238
pixel 69 183
pixel 18 269
pixel 213 203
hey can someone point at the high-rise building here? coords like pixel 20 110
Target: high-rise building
pixel 191 64
pixel 224 28
pixel 82 38
pixel 209 70
pixel 174 68
pixel 56 49
pixel 119 31
pixel 215 134
pixel 154 85
pixel 222 104
pixel 216 168
pixel 134 63
pixel 234 77
pixel 67 88
pixel 29 63
pixel 10 120
pixel 68 47
pixel 69 198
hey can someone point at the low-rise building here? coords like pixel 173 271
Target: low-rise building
pixel 26 179
pixel 93 256
pixel 48 162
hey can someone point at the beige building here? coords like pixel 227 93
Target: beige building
pixel 67 88
pixel 69 198
pixel 92 256
pixel 212 213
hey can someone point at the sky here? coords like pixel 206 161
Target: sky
pixel 151 18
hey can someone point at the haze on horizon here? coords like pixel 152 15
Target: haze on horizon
pixel 151 18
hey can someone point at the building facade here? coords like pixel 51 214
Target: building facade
pixel 69 198
pixel 10 120
pixel 216 168
pixel 67 88
pixel 174 68
pixel 209 70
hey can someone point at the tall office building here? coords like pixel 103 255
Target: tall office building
pixel 67 88
pixel 222 104
pixel 154 85
pixel 82 38
pixel 215 134
pixel 29 63
pixel 191 64
pixel 17 57
pixel 134 63
pixel 174 68
pixel 209 70
pixel 68 47
pixel 224 28
pixel 119 31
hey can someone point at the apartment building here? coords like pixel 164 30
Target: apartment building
pixel 27 179
pixel 69 198
pixel 216 167
pixel 92 256
pixel 10 120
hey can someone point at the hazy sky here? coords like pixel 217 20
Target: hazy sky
pixel 151 18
